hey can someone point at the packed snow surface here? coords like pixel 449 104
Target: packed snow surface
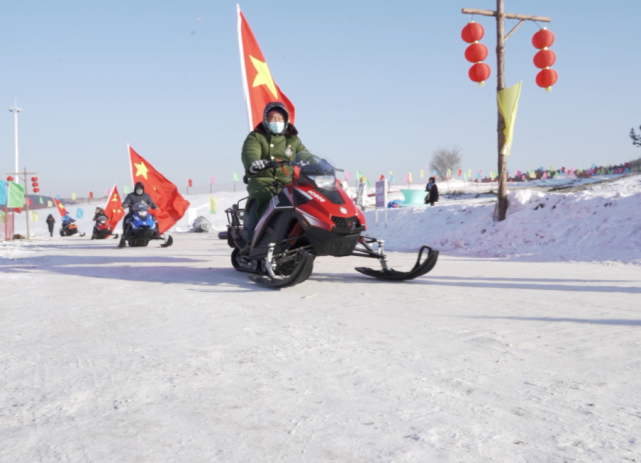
pixel 520 353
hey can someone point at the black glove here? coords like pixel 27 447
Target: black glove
pixel 258 165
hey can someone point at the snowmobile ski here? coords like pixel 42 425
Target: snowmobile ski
pixel 420 268
pixel 168 242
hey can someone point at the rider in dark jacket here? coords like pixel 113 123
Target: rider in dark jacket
pixel 137 196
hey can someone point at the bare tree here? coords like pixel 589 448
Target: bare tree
pixel 636 139
pixel 446 158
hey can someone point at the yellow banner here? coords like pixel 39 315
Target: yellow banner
pixel 34 216
pixel 213 205
pixel 508 101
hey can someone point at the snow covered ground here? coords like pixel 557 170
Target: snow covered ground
pixel 515 348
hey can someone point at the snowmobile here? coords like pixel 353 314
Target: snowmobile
pixel 310 217
pixel 141 228
pixel 69 229
pixel 201 225
pixel 102 229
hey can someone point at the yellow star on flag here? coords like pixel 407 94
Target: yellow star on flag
pixel 264 77
pixel 60 206
pixel 141 170
pixel 115 198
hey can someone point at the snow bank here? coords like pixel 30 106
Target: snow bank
pixel 599 222
pixel 602 222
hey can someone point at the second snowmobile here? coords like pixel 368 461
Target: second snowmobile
pixel 69 229
pixel 102 229
pixel 141 228
pixel 311 216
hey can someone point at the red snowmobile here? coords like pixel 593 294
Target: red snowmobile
pixel 102 229
pixel 312 216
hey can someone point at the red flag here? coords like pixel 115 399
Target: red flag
pixel 91 194
pixel 189 182
pixel 258 84
pixel 171 206
pixel 113 208
pixel 458 174
pixel 60 207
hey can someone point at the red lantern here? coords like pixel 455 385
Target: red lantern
pixel 472 32
pixel 543 39
pixel 479 72
pixel 34 184
pixel 34 179
pixel 546 78
pixel 544 59
pixel 9 178
pixel 36 190
pixel 476 53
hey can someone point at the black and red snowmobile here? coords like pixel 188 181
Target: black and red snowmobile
pixel 310 217
pixel 102 229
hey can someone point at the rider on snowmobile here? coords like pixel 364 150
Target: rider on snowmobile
pixel 137 196
pixel 273 139
pixel 99 211
pixel 67 219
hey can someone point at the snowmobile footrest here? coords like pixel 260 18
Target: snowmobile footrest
pixel 394 275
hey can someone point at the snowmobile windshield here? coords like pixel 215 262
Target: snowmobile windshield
pixel 316 170
pixel 141 209
pixel 103 219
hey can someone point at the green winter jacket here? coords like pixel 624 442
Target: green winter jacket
pixel 262 145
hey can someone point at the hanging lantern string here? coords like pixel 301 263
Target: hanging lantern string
pixel 537 23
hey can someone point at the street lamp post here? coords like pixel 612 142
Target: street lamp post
pixel 15 110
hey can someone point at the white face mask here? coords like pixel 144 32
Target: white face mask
pixel 276 127
pixel 139 191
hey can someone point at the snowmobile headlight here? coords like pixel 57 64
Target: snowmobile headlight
pixel 324 182
pixel 142 214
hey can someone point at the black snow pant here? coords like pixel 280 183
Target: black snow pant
pixel 251 219
pixel 50 225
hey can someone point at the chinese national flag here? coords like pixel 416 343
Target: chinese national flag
pixel 113 208
pixel 258 84
pixel 189 182
pixel 60 207
pixel 171 206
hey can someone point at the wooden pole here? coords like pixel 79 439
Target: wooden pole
pixel 500 127
pixel 501 37
pixel 26 201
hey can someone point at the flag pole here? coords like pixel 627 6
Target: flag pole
pixel 244 72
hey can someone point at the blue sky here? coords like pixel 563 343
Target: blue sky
pixel 378 86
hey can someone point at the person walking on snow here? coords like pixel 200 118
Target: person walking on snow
pixel 432 192
pixel 50 224
pixel 275 138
